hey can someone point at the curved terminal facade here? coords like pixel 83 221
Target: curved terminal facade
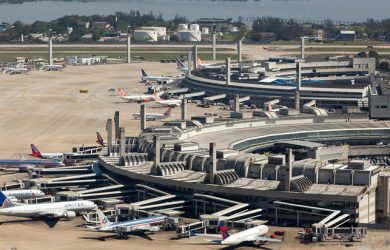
pixel 330 83
pixel 312 164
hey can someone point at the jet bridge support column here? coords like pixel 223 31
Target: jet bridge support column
pixel 227 65
pixel 195 55
pixel 213 162
pixel 109 136
pixel 236 103
pixel 122 142
pixel 117 131
pixel 298 82
pixel 157 151
pixel 143 117
pixel 189 63
pixel 50 60
pixel 184 109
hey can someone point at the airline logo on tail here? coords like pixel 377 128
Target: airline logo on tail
pixel 5 202
pixel 103 219
pixel 179 63
pixel 122 93
pixel 35 151
pixel 224 232
pixel 100 140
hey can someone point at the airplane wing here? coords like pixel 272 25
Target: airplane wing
pixel 268 239
pixel 55 213
pixel 219 236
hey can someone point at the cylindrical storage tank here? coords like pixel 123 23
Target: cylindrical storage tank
pixel 194 27
pixel 205 31
pixel 182 26
pixel 145 35
pixel 161 31
pixel 189 36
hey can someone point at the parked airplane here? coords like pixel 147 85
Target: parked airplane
pixel 153 117
pixel 160 79
pixel 251 235
pixel 25 165
pixel 135 97
pixel 53 67
pixel 23 194
pixel 51 156
pixel 168 102
pixel 148 224
pixel 18 69
pixel 66 209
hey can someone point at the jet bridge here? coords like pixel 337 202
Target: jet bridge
pixel 151 201
pixel 191 95
pixel 214 98
pixel 233 213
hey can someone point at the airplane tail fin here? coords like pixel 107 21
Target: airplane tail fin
pixel 168 113
pixel 35 151
pixel 103 219
pixel 199 62
pixel 179 63
pixel 100 140
pixel 4 201
pixel 224 232
pixel 122 93
pixel 144 73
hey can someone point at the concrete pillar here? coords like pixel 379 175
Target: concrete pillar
pixel 184 109
pixel 122 146
pixel 236 103
pixel 227 65
pixel 239 47
pixel 128 48
pixel 288 174
pixel 298 72
pixel 298 82
pixel 157 151
pixel 50 60
pixel 189 63
pixel 109 136
pixel 195 56
pixel 214 46
pixel 303 48
pixel 213 162
pixel 117 130
pixel 143 117
pixel 297 100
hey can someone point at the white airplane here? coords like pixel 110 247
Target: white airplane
pixel 136 97
pixel 148 224
pixel 18 69
pixel 23 194
pixel 66 209
pixel 153 117
pixel 160 79
pixel 53 67
pixel 251 235
pixel 50 156
pixel 168 102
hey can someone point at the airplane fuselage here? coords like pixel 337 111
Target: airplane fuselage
pixel 55 209
pixel 245 236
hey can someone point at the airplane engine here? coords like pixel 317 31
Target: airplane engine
pixel 69 214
